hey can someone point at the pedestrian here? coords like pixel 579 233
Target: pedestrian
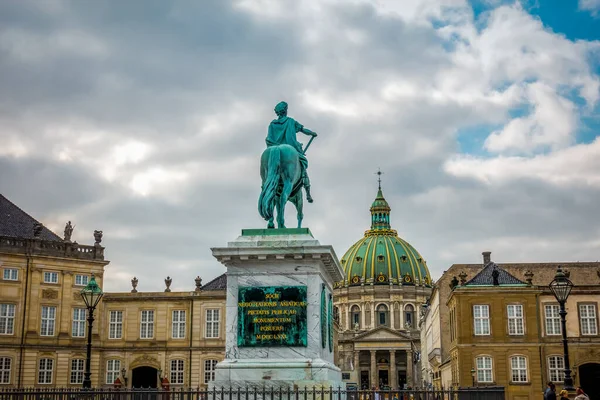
pixel 550 393
pixel 564 395
pixel 581 394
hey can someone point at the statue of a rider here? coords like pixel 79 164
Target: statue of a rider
pixel 283 131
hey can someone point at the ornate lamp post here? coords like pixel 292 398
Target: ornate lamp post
pixel 473 376
pixel 91 295
pixel 561 287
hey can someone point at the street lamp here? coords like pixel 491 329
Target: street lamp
pixel 561 287
pixel 91 295
pixel 473 376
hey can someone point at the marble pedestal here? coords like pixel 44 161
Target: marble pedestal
pixel 282 257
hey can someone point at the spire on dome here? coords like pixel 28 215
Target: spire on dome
pixel 380 209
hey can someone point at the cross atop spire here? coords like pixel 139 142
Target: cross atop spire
pixel 379 173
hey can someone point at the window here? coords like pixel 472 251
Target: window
pixel 7 319
pixel 587 319
pixel 176 372
pixel 355 311
pixel 50 277
pixel 45 370
pixel 5 365
pixel 518 366
pixel 113 369
pixel 484 369
pixel 178 324
pixel 77 371
pixel 382 312
pixel 409 312
pixel 11 274
pixel 81 280
pixel 147 324
pixel 212 323
pixel 552 319
pixel 515 319
pixel 209 370
pixel 48 317
pixel 556 368
pixel 78 322
pixel 115 325
pixel 481 318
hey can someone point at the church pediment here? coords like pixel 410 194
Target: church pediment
pixel 382 334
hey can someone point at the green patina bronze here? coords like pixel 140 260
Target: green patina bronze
pixel 272 316
pixel 283 169
pixel 323 317
pixel 276 232
pixel 330 323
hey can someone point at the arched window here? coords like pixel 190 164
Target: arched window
pixel 382 315
pixel 409 316
pixel 336 314
pixel 209 370
pixel 355 311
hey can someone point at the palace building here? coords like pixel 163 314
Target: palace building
pixel 138 338
pixel 377 305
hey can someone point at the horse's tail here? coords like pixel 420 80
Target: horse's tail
pixel 269 187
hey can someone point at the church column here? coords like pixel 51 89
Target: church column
pixel 357 363
pixel 362 316
pixel 373 315
pixel 374 381
pixel 392 315
pixel 348 318
pixel 393 374
pixel 409 367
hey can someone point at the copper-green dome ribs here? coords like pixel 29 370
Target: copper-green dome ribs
pixel 381 257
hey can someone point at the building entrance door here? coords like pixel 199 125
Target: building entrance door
pixel 383 378
pixel 364 380
pixel 589 376
pixel 401 379
pixel 144 377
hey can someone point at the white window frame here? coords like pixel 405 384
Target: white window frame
pixel 552 320
pixel 518 369
pixel 556 368
pixel 78 323
pixel 113 370
pixel 81 280
pixel 514 313
pixel 483 368
pixel 480 320
pixel 45 371
pixel 7 319
pixel 48 321
pixel 115 325
pixel 178 320
pixel 5 369
pixel 177 372
pixel 147 324
pixel 50 277
pixel 209 370
pixel 588 319
pixel 212 326
pixel 77 369
pixel 10 274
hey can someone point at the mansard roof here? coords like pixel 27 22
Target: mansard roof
pixel 15 222
pixel 486 277
pixel 219 283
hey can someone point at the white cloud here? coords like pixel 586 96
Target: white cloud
pixel 590 5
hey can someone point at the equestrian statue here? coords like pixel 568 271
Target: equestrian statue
pixel 283 168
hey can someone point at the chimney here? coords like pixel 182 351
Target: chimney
pixel 487 257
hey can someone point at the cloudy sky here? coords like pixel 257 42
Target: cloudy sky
pixel 146 119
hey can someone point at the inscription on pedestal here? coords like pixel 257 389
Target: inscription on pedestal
pixel 272 316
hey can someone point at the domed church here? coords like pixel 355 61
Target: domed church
pixel 386 282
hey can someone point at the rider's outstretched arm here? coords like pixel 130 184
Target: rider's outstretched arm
pixel 308 132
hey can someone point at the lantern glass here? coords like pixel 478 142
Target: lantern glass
pixel 561 286
pixel 92 293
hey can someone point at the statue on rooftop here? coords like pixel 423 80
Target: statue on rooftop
pixel 283 168
pixel 68 232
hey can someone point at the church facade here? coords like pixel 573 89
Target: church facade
pixel 386 282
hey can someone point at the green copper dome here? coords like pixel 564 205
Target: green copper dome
pixel 381 257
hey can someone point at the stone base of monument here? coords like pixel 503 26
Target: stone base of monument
pixel 279 322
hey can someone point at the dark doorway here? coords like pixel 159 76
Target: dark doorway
pixel 364 380
pixel 383 378
pixel 144 377
pixel 589 376
pixel 401 379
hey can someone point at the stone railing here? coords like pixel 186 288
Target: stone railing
pixel 41 247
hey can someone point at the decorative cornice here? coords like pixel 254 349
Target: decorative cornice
pixel 51 248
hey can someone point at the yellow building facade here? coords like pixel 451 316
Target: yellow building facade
pixel 137 337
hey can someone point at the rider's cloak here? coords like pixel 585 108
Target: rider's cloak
pixel 283 131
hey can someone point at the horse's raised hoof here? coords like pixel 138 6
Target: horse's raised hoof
pixel 309 198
